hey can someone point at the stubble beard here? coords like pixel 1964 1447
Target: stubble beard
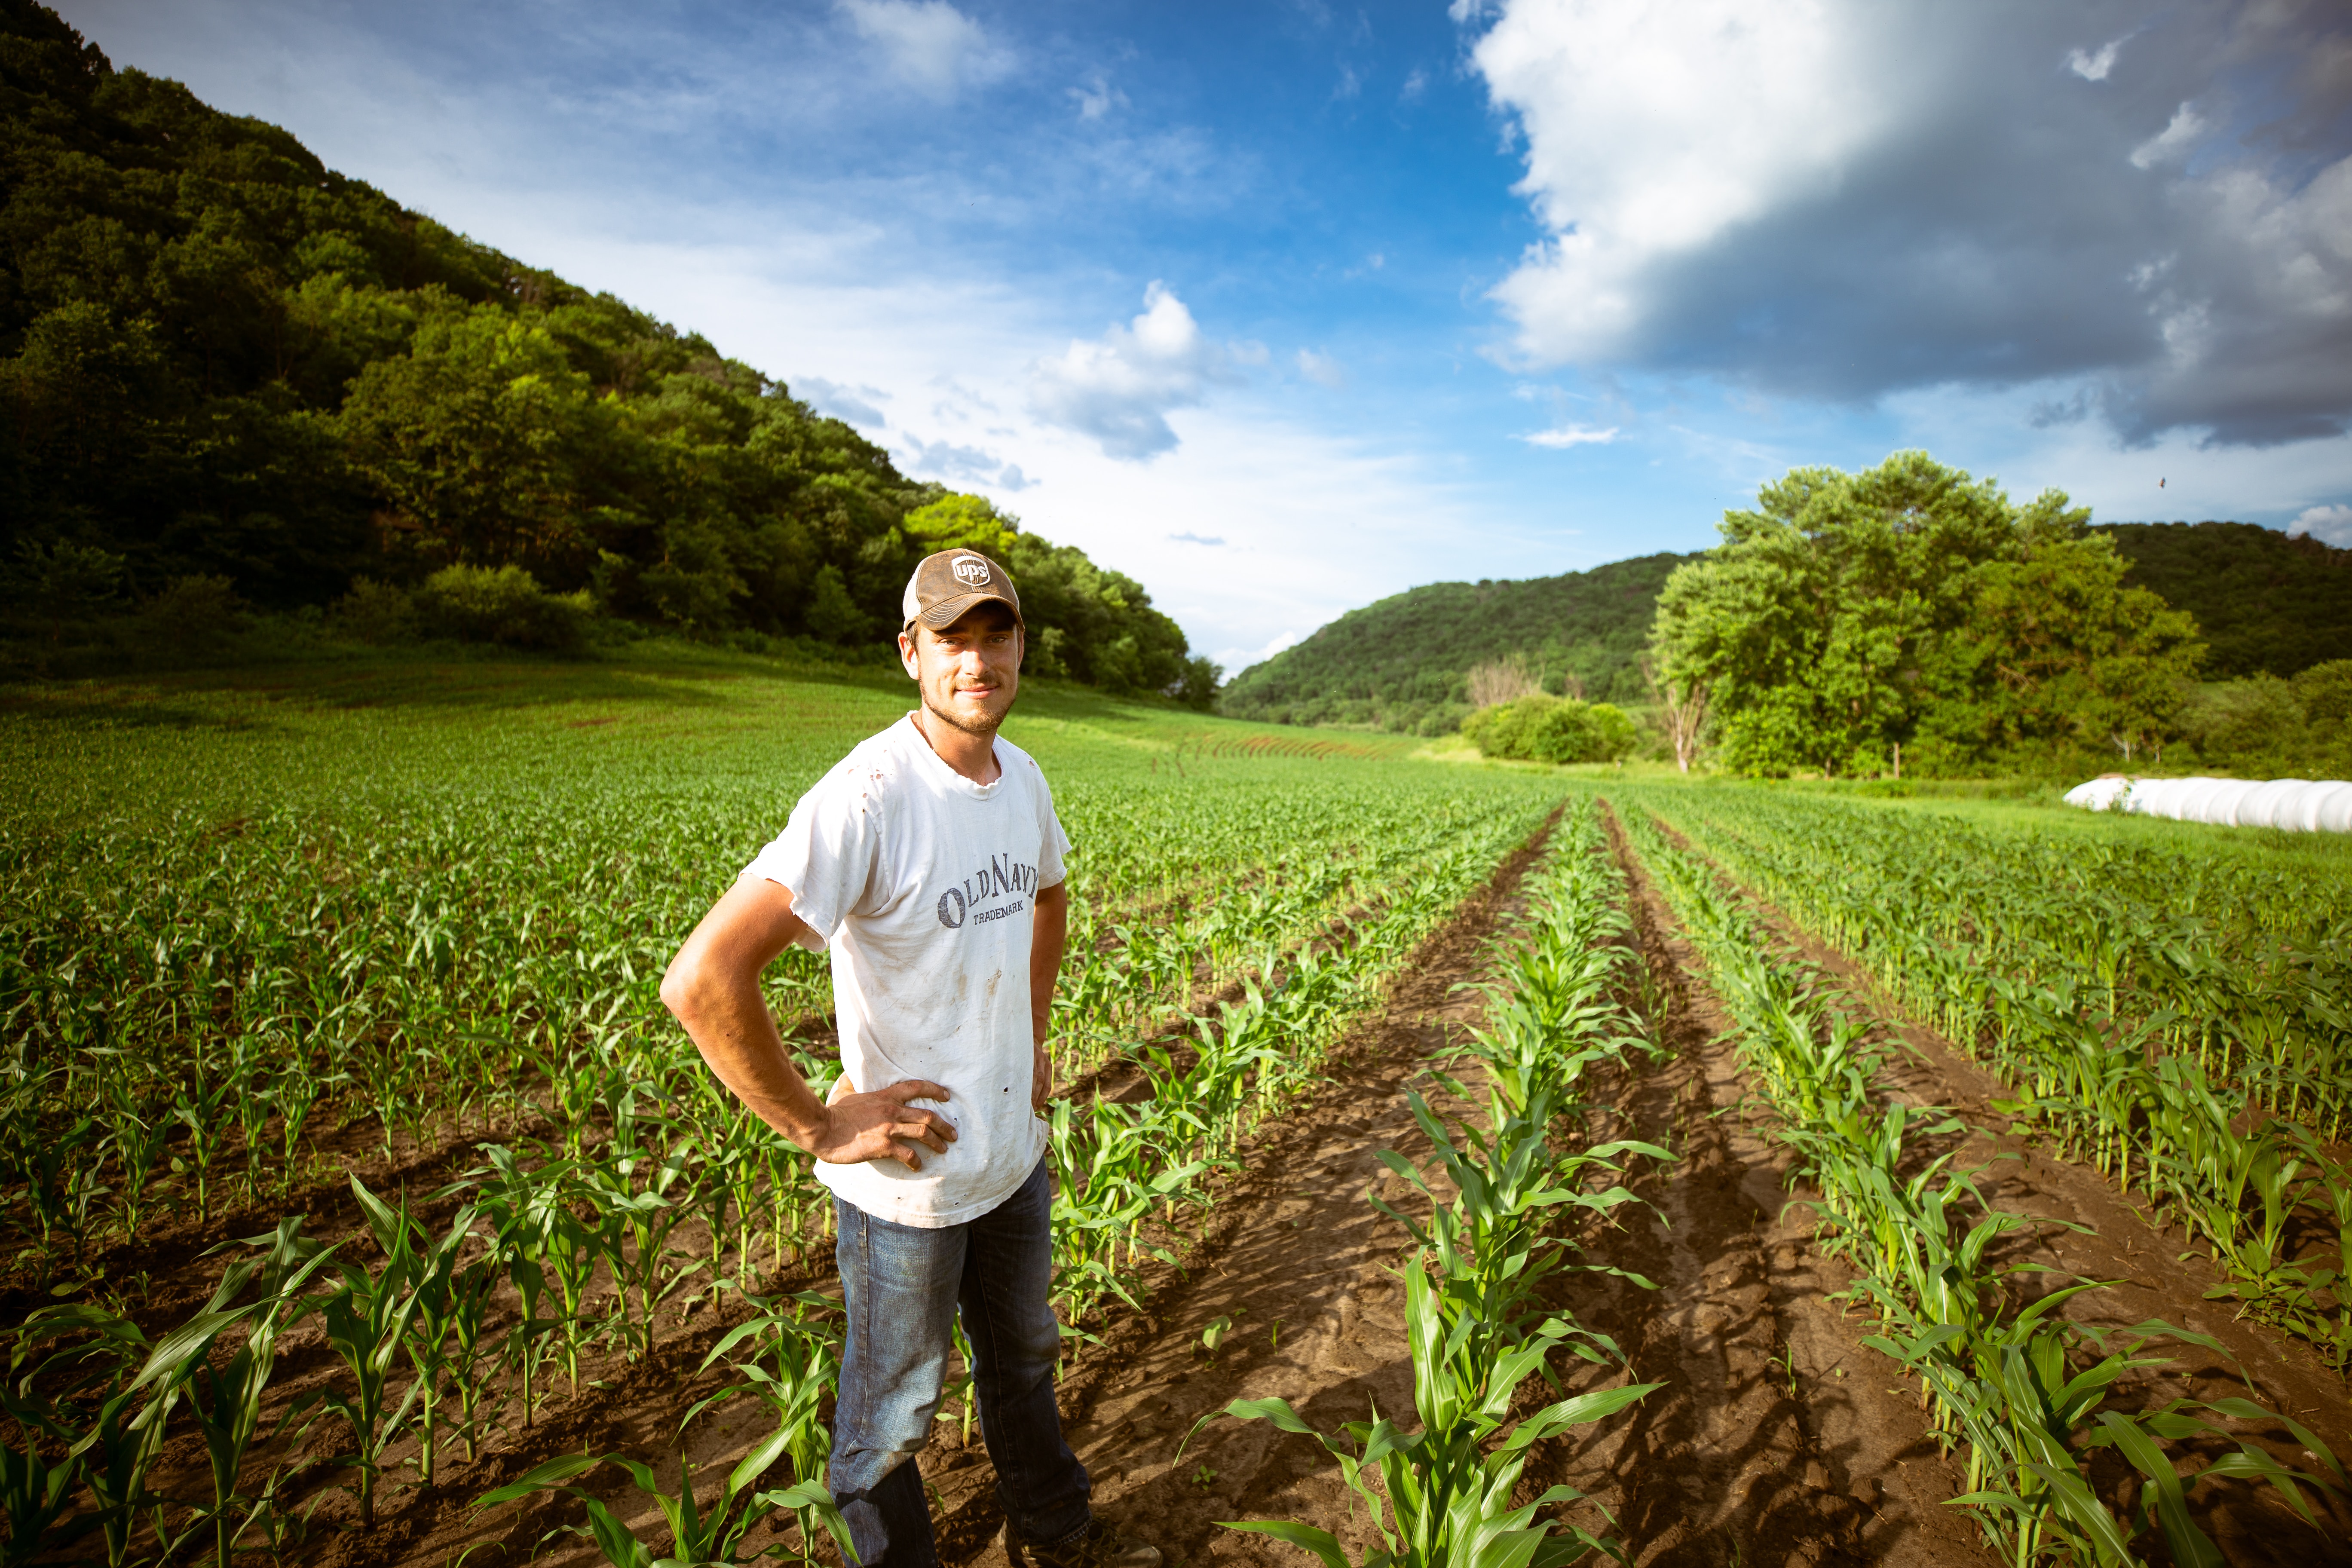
pixel 978 731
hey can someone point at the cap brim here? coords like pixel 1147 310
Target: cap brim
pixel 948 611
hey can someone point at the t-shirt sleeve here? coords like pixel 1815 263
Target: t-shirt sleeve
pixel 1053 843
pixel 826 855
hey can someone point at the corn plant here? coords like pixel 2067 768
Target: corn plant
pixel 224 1403
pixel 369 1322
pixel 696 1537
pixel 796 1360
pixel 634 1226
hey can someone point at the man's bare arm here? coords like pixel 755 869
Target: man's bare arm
pixel 1050 936
pixel 712 987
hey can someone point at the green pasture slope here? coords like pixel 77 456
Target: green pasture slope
pixel 352 737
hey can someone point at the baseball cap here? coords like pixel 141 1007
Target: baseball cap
pixel 952 581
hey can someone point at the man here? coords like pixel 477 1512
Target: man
pixel 929 861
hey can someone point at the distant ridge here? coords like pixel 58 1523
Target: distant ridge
pixel 1400 663
pixel 2267 603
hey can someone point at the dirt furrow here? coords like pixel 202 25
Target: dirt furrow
pixel 1776 1439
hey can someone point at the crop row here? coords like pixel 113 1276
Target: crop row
pixel 565 1247
pixel 1478 1327
pixel 2022 1388
pixel 2187 1028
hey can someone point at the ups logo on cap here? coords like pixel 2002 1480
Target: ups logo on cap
pixel 969 570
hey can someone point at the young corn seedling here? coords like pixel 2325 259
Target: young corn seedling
pixel 633 1234
pixel 204 1113
pixel 225 1403
pixel 1440 1497
pixel 795 1361
pixel 367 1322
pixel 696 1537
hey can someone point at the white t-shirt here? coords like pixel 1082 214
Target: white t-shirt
pixel 924 885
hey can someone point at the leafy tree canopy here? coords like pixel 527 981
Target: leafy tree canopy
pixel 1911 606
pixel 221 359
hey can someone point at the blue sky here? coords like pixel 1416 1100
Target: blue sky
pixel 1281 307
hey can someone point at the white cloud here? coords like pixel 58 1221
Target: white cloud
pixel 1417 82
pixel 2174 142
pixel 2095 64
pixel 852 404
pixel 1652 132
pixel 1098 100
pixel 2329 524
pixel 1842 199
pixel 1120 388
pixel 1566 435
pixel 1197 538
pixel 929 44
pixel 1321 369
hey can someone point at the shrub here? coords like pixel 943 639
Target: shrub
pixel 1543 728
pixel 2266 727
pixel 195 614
pixel 505 606
pixel 377 611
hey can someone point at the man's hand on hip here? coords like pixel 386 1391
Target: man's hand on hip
pixel 882 1126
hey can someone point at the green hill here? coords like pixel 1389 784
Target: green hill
pixel 2266 603
pixel 230 376
pixel 1402 663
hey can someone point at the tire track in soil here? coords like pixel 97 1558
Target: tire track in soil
pixel 1775 1439
pixel 2250 1523
pixel 1289 1242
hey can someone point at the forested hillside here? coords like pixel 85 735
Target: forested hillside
pixel 223 364
pixel 2266 603
pixel 1402 662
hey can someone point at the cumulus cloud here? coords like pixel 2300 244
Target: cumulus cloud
pixel 1844 198
pixel 929 45
pixel 1120 388
pixel 2172 145
pixel 1561 437
pixel 1097 98
pixel 1321 369
pixel 2327 524
pixel 2093 64
pixel 851 404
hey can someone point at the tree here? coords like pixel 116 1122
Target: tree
pixel 1681 707
pixel 1911 607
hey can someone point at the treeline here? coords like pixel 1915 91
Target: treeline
pixel 1910 618
pixel 230 376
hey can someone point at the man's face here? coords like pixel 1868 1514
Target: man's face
pixel 968 672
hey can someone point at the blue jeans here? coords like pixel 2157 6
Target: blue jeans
pixel 901 1287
